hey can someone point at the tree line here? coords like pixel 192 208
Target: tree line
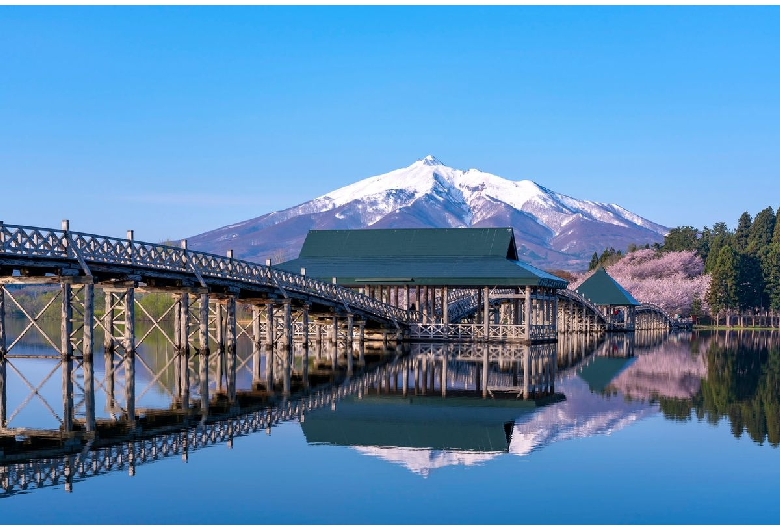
pixel 743 264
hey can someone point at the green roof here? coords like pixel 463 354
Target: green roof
pixel 410 242
pixel 601 289
pixel 467 257
pixel 465 424
pixel 602 370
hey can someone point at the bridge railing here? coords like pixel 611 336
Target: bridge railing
pixel 653 308
pixel 84 248
pixel 577 297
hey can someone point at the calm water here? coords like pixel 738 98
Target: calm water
pixel 677 429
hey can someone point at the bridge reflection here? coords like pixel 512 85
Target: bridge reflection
pixel 454 397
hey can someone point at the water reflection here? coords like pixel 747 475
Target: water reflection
pixel 423 406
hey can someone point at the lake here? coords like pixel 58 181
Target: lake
pixel 679 428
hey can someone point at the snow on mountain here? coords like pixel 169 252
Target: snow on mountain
pixel 552 229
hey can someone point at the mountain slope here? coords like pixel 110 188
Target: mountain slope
pixel 552 230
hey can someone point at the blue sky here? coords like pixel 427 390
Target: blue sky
pixel 176 120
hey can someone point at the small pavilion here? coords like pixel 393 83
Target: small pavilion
pixel 616 304
pixel 442 276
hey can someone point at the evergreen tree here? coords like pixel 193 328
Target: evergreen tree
pixel 720 237
pixel 703 247
pixel 772 276
pixel 776 232
pixel 742 233
pixel 681 238
pixel 750 282
pixel 725 280
pixel 761 232
pixel 594 261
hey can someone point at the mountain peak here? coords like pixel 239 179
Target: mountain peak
pixel 431 160
pixel 554 230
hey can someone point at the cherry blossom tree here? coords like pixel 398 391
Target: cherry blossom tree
pixel 671 280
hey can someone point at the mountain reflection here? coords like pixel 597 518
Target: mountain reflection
pixel 707 375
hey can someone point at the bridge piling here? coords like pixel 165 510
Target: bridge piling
pixel 87 356
pixel 3 351
pixel 129 345
pixel 231 348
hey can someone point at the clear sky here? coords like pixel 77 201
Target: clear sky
pixel 177 120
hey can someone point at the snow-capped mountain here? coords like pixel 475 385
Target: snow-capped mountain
pixel 551 229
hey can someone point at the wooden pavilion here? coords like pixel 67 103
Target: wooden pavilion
pixel 617 304
pixel 445 278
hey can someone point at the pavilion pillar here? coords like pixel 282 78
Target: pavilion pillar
pixel 486 312
pixel 445 305
pixel 485 372
pixel 528 319
pixel 443 382
pixel 424 304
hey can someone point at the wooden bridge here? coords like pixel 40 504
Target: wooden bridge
pixel 206 288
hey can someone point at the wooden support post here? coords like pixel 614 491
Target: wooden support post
pixel 270 330
pixel 486 312
pixel 485 371
pixel 269 347
pixel 184 357
pixel 405 377
pixel 526 369
pixel 129 345
pixel 3 352
pixel 177 346
pixel 3 345
pixel 66 329
pixel 231 348
pixel 286 339
pixel 445 305
pixel 334 337
pixel 527 316
pixel 219 325
pixel 424 304
pixel 109 348
pixel 349 344
pixel 443 382
pixel 87 345
pixel 286 350
pixel 3 393
pixel 305 359
pixel 203 353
